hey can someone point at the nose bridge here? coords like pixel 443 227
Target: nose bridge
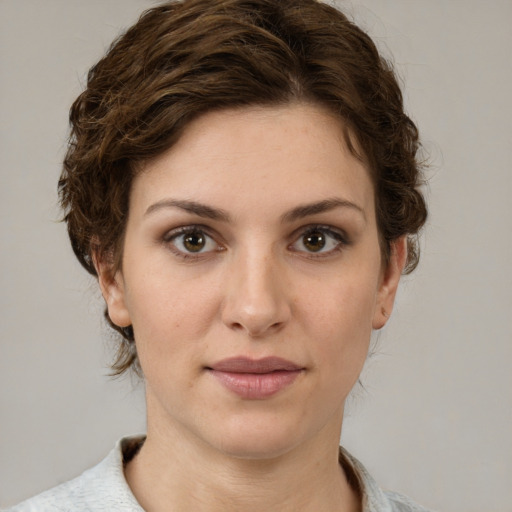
pixel 256 298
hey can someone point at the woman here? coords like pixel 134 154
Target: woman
pixel 242 179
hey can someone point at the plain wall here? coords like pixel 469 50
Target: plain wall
pixel 435 418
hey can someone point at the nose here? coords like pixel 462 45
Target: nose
pixel 257 297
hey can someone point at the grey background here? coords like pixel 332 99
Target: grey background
pixel 435 419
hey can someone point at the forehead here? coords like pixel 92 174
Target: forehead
pixel 259 155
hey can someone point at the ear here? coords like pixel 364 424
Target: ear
pixel 389 282
pixel 113 290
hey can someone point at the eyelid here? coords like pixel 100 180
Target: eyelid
pixel 174 233
pixel 338 234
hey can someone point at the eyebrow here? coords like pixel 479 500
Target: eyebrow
pixel 194 207
pixel 320 207
pixel 219 214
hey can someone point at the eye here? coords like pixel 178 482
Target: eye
pixel 319 240
pixel 191 240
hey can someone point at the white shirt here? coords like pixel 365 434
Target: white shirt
pixel 104 488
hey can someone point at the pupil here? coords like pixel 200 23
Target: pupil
pixel 194 242
pixel 314 241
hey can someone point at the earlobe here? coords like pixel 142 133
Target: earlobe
pixel 389 283
pixel 113 290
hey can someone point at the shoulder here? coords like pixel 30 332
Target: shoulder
pixel 374 498
pixel 401 503
pixel 73 495
pixel 101 488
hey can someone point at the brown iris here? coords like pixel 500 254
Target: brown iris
pixel 314 241
pixel 194 242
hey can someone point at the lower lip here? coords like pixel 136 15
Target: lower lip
pixel 256 386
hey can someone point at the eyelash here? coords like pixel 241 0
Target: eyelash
pixel 171 236
pixel 338 236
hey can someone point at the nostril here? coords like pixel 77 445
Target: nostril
pixel 263 331
pixel 256 307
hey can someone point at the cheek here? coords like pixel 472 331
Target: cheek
pixel 344 304
pixel 170 317
pixel 340 319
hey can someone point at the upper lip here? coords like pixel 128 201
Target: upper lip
pixel 244 364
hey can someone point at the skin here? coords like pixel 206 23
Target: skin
pixel 256 289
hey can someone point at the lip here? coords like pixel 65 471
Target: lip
pixel 255 379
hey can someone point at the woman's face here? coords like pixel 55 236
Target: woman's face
pixel 252 277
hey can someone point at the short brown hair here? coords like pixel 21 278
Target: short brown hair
pixel 184 58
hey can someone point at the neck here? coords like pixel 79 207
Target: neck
pixel 306 478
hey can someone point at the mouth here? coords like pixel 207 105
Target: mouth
pixel 255 379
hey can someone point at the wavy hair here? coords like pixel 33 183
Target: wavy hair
pixel 184 58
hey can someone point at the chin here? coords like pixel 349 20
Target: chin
pixel 258 438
